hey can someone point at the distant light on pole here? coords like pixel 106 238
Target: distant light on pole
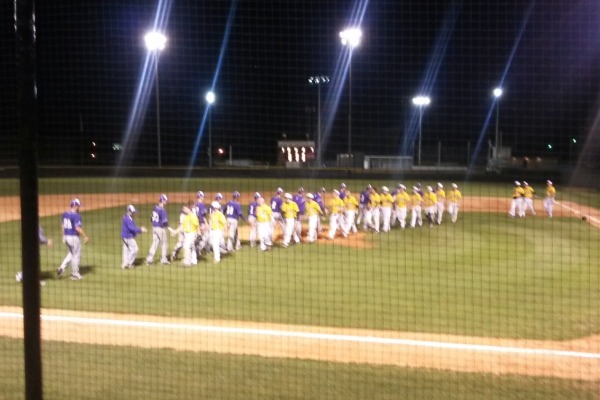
pixel 156 42
pixel 350 37
pixel 318 80
pixel 497 94
pixel 421 102
pixel 210 99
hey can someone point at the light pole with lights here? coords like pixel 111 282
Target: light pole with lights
pixel 318 80
pixel 210 99
pixel 497 94
pixel 350 37
pixel 421 102
pixel 156 42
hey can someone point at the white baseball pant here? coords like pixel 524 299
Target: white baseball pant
pixel 313 222
pixel 73 244
pixel 233 238
pixel 416 217
pixel 253 230
pixel 453 211
pixel 333 225
pixel 216 238
pixel 189 250
pixel 290 225
pixel 349 224
pixel 440 211
pixel 264 234
pixel 401 216
pixel 159 237
pixel 130 251
pixel 528 206
pixel 386 215
pixel 549 205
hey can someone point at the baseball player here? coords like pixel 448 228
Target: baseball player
pixel 416 202
pixel 430 202
pixel 42 240
pixel 454 198
pixel 218 224
pixel 386 208
pixel 549 200
pixel 180 237
pixel 529 192
pixel 401 200
pixel 290 211
pixel 373 212
pixel 363 205
pixel 318 198
pixel 313 211
pixel 72 226
pixel 343 188
pixel 301 202
pixel 350 207
pixel 201 212
pixel 233 212
pixel 190 226
pixel 160 225
pixel 441 202
pixel 129 231
pixel 337 208
pixel 515 204
pixel 276 203
pixel 252 219
pixel 264 216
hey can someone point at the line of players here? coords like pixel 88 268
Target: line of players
pixel 522 200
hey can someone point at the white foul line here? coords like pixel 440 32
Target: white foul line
pixel 577 212
pixel 313 335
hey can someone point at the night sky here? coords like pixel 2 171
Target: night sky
pixel 91 55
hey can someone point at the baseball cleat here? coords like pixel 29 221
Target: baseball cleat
pixel 60 272
pixel 76 277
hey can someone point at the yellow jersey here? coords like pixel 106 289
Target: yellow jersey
pixel 190 223
pixel 429 199
pixel 313 208
pixel 386 200
pixel 416 199
pixel 264 213
pixel 350 203
pixel 518 192
pixel 374 200
pixel 217 221
pixel 336 205
pixel 454 196
pixel 550 191
pixel 402 199
pixel 528 190
pixel 290 209
pixel 441 194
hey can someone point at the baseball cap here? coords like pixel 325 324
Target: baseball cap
pixel 279 190
pixel 75 202
pixel 300 189
pixel 401 186
pixel 525 183
pixel 336 191
pixel 517 183
pixel 415 189
pixel 440 185
pixel 369 186
pixel 310 196
pixel 322 190
pixel 131 208
pixel 256 195
pixel 455 186
pixel 343 186
pixel 200 194
pixel 385 189
pixel 549 182
pixel 236 194
pixel 215 205
pixel 288 196
pixel 219 196
pixel 163 198
pixel 429 189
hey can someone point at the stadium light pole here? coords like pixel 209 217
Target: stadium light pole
pixel 497 94
pixel 156 42
pixel 210 99
pixel 318 80
pixel 350 38
pixel 421 102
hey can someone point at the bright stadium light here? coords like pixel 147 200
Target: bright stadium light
pixel 350 37
pixel 156 42
pixel 318 80
pixel 421 102
pixel 210 99
pixel 497 94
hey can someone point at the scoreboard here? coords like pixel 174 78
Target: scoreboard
pixel 295 151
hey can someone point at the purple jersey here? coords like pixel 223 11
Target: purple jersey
pixel 319 200
pixel 301 202
pixel 200 211
pixel 128 228
pixel 159 217
pixel 233 210
pixel 252 209
pixel 276 203
pixel 342 194
pixel 365 197
pixel 70 221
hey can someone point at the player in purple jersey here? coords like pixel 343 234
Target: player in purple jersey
pixel 201 211
pixel 72 227
pixel 318 198
pixel 363 203
pixel 160 225
pixel 252 219
pixel 233 212
pixel 299 199
pixel 342 190
pixel 277 218
pixel 129 230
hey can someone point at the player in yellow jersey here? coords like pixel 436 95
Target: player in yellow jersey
pixel 351 207
pixel 336 206
pixel 454 198
pixel 264 217
pixel 373 214
pixel 218 224
pixel 430 203
pixel 516 203
pixel 190 225
pixel 441 203
pixel 416 202
pixel 528 199
pixel 313 211
pixel 549 200
pixel 289 210
pixel 401 200
pixel 387 201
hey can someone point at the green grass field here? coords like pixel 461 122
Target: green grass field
pixel 104 372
